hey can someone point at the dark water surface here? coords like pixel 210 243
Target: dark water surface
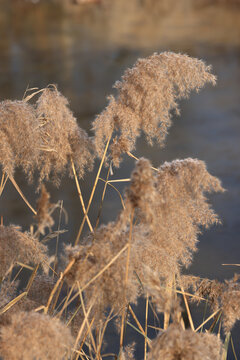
pixel 86 49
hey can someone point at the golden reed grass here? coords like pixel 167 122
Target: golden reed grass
pixel 64 312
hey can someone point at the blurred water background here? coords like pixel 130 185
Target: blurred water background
pixel 85 49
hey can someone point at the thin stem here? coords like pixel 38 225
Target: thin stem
pixel 217 318
pixel 167 312
pixel 134 157
pixel 146 329
pixel 3 183
pixel 32 278
pixel 126 280
pixel 209 318
pixel 80 195
pixel 231 264
pixel 233 349
pixel 56 298
pixel 108 183
pixel 103 196
pixel 188 311
pixel 60 280
pixel 119 180
pixel 85 336
pixel 2 180
pixel 66 301
pixel 12 302
pixel 101 334
pixel 22 195
pixel 137 322
pixel 86 317
pixel 57 241
pixel 226 343
pixel 93 191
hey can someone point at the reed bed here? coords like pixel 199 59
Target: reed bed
pixel 70 300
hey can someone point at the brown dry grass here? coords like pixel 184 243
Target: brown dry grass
pixel 64 313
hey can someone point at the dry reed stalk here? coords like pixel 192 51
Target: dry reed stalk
pixel 86 317
pixel 146 328
pixel 138 324
pixel 119 194
pixel 231 264
pixel 93 191
pixel 102 332
pixel 226 344
pixel 3 182
pixel 207 320
pixel 56 299
pixel 137 159
pixel 57 239
pixel 85 321
pixel 30 281
pixel 13 302
pixel 19 271
pixel 188 311
pixel 86 334
pixel 126 280
pixel 22 195
pixel 80 195
pixel 66 299
pixel 102 199
pixel 167 313
pixel 60 280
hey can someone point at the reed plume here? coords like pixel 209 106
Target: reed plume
pixel 19 137
pixel 173 211
pixel 96 252
pixel 8 292
pixel 176 343
pixel 230 303
pixel 19 246
pixel 41 289
pixel 62 138
pixel 31 336
pixel 44 136
pixel 224 296
pixel 204 288
pixel 170 206
pixel 44 207
pixel 147 95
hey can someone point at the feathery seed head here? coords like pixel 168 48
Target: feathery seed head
pixel 176 343
pixel 147 94
pixel 31 335
pixel 171 212
pixel 43 217
pixel 92 257
pixel 19 137
pixel 61 137
pixel 19 246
